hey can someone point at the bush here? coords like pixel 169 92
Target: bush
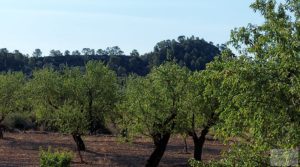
pixel 56 158
pixel 194 163
pixel 21 121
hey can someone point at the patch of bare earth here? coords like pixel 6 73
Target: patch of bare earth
pixel 22 149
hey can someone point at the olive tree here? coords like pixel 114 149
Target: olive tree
pixel 11 87
pixel 100 90
pixel 258 108
pixel 202 102
pixel 73 100
pixel 259 95
pixel 153 106
pixel 201 110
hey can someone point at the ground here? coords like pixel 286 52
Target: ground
pixel 22 149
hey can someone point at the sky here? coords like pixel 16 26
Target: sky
pixel 129 24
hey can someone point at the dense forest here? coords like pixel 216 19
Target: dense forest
pixel 191 52
pixel 249 101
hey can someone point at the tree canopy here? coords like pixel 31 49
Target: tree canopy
pixel 259 90
pixel 74 101
pixel 12 96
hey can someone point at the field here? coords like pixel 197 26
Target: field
pixel 22 149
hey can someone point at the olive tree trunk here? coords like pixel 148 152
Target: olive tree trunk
pixel 79 144
pixel 199 143
pixel 160 142
pixel 2 127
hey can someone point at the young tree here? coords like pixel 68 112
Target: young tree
pixel 202 103
pixel 57 102
pixel 201 109
pixel 74 101
pixel 153 106
pixel 100 89
pixel 11 85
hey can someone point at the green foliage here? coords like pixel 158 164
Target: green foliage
pixel 252 94
pixel 190 52
pixel 244 154
pixel 100 89
pixel 73 100
pixel 69 119
pixel 154 104
pixel 11 85
pixel 259 91
pixel 194 163
pixel 47 94
pixel 50 158
pixel 201 103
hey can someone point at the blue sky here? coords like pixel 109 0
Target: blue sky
pixel 130 24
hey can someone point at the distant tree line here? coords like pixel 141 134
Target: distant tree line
pixel 191 52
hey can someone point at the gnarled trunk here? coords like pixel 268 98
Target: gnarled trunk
pixel 160 142
pixel 79 144
pixel 199 142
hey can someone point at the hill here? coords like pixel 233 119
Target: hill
pixel 191 52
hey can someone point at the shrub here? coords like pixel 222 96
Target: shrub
pixel 194 163
pixel 21 121
pixel 50 158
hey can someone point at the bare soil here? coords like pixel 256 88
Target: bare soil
pixel 22 150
